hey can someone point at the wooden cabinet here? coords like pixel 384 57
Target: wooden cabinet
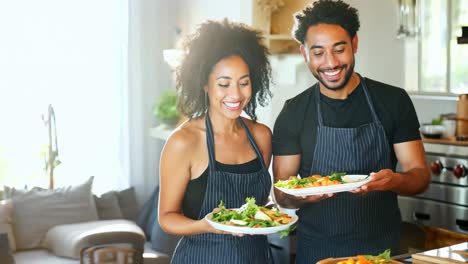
pixel 276 19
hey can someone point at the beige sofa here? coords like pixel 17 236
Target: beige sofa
pixel 63 244
pixel 53 226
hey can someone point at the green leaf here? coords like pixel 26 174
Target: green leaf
pixel 287 231
pixel 336 176
pixel 385 255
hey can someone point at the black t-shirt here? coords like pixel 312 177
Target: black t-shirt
pixel 295 129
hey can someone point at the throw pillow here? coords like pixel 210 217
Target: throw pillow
pixel 6 213
pixel 108 206
pixel 6 256
pixel 36 211
pixel 162 241
pixel 148 221
pixel 149 213
pixel 128 203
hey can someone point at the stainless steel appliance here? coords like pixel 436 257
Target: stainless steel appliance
pixel 445 203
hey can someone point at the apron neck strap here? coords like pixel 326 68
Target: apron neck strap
pixel 211 148
pixel 252 143
pixel 210 143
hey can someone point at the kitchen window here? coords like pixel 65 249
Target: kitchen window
pixel 435 62
pixel 71 54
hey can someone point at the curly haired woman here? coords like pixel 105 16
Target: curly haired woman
pixel 217 154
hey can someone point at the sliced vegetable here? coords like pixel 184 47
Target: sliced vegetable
pixel 259 215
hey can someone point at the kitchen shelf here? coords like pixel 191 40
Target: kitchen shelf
pixel 275 19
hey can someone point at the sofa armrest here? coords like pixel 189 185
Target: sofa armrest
pixel 68 240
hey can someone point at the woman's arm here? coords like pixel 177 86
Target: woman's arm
pixel 174 173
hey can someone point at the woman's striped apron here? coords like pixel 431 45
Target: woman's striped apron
pixel 232 188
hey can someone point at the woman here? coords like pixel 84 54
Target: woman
pixel 217 154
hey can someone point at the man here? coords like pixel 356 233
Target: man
pixel 346 123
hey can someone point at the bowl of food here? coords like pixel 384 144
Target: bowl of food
pixel 432 131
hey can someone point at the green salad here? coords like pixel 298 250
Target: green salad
pixel 295 182
pixel 251 215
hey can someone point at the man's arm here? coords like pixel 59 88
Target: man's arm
pixel 284 167
pixel 415 176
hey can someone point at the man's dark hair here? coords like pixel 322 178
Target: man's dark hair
pixel 326 12
pixel 212 42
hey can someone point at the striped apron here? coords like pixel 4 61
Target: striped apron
pixel 232 188
pixel 349 224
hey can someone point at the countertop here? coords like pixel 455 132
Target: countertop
pixel 452 254
pixel 445 141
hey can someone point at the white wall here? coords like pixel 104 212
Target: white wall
pixel 380 54
pixel 194 12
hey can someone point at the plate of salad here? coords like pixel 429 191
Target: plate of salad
pixel 318 184
pixel 383 258
pixel 251 219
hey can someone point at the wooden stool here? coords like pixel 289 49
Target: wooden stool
pixel 107 254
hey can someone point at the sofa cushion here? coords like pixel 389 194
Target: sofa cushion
pixel 68 240
pixel 6 214
pixel 128 203
pixel 5 252
pixel 41 256
pixel 36 211
pixel 108 206
pixel 148 220
pixel 151 256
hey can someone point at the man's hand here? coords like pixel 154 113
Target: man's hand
pixel 299 201
pixel 384 180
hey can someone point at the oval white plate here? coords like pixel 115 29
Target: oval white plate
pixel 250 230
pixel 357 181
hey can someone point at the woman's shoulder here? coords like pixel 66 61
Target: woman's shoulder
pixel 186 136
pixel 258 129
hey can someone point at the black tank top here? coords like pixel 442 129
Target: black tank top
pixel 195 193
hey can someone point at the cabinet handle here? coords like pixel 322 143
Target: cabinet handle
pixel 422 216
pixel 463 224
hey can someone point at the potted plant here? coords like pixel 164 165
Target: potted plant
pixel 165 108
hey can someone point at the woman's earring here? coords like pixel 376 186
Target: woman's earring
pixel 206 102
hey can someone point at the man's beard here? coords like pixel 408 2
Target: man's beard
pixel 348 75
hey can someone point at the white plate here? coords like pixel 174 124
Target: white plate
pixel 356 181
pixel 250 230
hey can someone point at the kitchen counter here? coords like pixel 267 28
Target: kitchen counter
pixel 454 254
pixel 445 141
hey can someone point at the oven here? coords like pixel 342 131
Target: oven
pixel 445 203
